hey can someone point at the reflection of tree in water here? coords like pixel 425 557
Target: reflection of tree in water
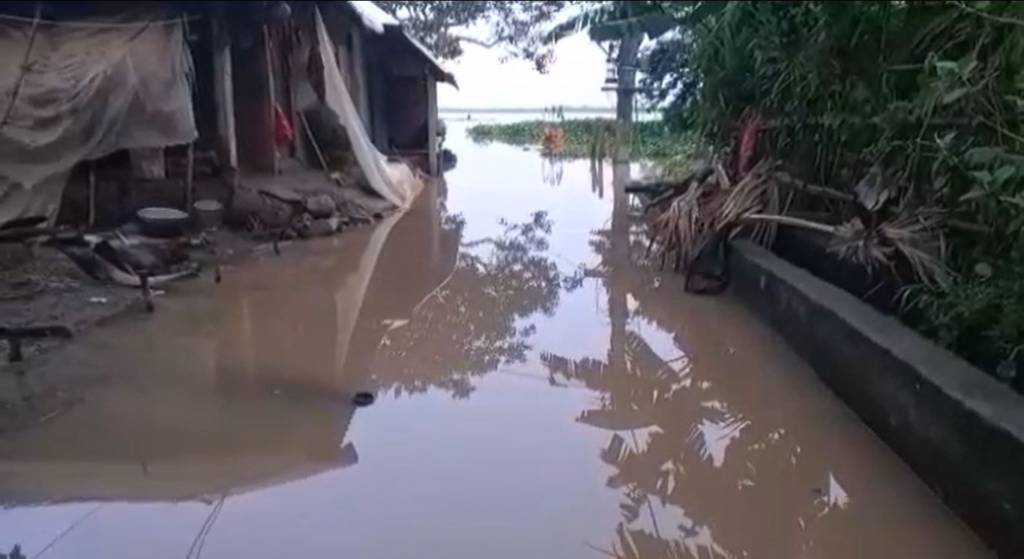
pixel 665 419
pixel 666 423
pixel 478 319
pixel 553 169
pixel 642 398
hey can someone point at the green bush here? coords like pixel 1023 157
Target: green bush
pixel 931 93
pixel 651 139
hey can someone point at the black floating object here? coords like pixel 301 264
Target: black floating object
pixel 147 294
pixel 363 399
pixel 216 275
pixel 14 350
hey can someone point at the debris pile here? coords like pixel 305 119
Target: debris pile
pixel 280 212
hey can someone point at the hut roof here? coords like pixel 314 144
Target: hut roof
pixel 380 22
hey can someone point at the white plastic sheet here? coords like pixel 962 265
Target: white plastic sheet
pixel 395 182
pixel 82 92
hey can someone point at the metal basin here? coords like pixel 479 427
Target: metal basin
pixel 162 222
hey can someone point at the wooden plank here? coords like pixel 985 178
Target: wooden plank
pixel 190 168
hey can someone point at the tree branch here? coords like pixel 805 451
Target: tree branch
pixel 479 42
pixel 986 15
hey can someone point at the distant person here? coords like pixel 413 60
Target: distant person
pixel 469 116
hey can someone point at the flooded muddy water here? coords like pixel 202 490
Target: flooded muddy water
pixel 540 394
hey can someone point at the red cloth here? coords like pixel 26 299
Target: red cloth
pixel 750 130
pixel 283 132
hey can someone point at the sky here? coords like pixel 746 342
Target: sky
pixel 574 79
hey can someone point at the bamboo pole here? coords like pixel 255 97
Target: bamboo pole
pixel 312 140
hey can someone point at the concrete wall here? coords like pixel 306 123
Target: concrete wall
pixel 958 428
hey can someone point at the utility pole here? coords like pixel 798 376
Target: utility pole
pixel 629 50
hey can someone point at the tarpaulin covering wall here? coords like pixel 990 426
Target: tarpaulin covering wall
pixel 74 91
pixel 395 182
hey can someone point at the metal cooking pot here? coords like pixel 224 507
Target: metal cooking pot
pixel 162 222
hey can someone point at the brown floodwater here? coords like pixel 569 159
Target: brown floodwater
pixel 540 394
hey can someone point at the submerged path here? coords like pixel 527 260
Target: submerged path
pixel 541 394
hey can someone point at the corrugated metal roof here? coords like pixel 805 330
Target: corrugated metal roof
pixel 377 20
pixel 446 76
pixel 373 17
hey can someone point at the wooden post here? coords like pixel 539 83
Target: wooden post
pixel 190 167
pixel 15 336
pixel 15 350
pixel 316 146
pixel 360 87
pixel 224 95
pixel 629 49
pixel 432 143
pixel 254 125
pixel 147 294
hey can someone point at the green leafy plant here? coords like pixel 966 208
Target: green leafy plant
pixel 929 93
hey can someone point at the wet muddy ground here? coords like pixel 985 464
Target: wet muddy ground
pixel 539 394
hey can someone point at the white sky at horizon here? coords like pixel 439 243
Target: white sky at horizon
pixel 574 78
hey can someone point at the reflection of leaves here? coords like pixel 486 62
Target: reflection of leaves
pixel 664 421
pixel 454 222
pixel 642 381
pixel 474 323
pixel 525 237
pixel 712 438
pixel 639 544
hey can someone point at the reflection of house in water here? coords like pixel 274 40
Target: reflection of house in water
pixel 251 390
pixel 143 102
pixel 321 336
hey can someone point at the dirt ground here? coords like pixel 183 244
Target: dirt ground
pixel 41 286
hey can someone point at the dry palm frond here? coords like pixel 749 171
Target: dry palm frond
pixel 715 207
pixel 918 240
pixel 677 231
pixel 914 240
pixel 708 208
pixel 745 197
